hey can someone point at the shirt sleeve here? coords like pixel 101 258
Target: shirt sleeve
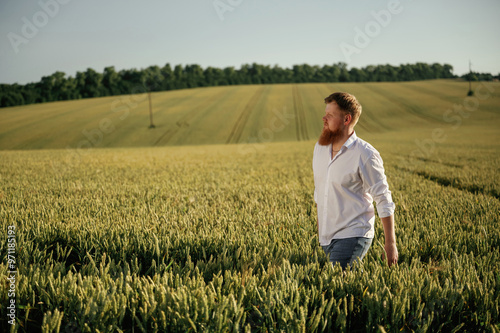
pixel 375 183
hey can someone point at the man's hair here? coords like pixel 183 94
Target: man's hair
pixel 347 103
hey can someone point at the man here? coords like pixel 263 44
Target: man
pixel 348 176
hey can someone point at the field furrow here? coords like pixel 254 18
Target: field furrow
pixel 300 122
pixel 406 102
pixel 184 121
pixel 241 122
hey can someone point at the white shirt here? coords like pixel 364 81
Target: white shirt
pixel 345 187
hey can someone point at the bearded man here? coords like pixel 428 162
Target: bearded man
pixel 348 177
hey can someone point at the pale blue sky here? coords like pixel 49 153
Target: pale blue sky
pixel 76 34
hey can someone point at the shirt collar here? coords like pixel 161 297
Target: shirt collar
pixel 350 141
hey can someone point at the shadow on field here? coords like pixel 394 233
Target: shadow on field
pixel 455 183
pixel 211 257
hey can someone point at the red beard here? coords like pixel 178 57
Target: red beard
pixel 327 137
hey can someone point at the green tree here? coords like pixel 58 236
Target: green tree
pixel 244 74
pixel 111 81
pixel 331 73
pixel 344 72
pixel 88 83
pixel 210 77
pixel 153 78
pixel 298 74
pixel 179 77
pixel 255 72
pixel 194 76
pixel 231 75
pixel 318 75
pixel 447 71
pixel 357 75
pixel 168 77
pixel 11 97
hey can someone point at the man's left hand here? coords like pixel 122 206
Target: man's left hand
pixel 391 251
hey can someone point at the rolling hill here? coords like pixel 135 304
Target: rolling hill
pixel 241 114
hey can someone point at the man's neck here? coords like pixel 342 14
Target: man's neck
pixel 337 144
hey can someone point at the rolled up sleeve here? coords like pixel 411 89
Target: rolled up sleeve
pixel 375 184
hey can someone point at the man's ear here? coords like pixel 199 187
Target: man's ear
pixel 347 119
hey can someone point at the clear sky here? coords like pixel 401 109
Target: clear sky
pixel 38 38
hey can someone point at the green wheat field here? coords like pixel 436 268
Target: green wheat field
pixel 207 223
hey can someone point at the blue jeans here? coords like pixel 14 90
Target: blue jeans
pixel 347 250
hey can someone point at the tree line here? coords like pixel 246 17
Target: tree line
pixel 88 84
